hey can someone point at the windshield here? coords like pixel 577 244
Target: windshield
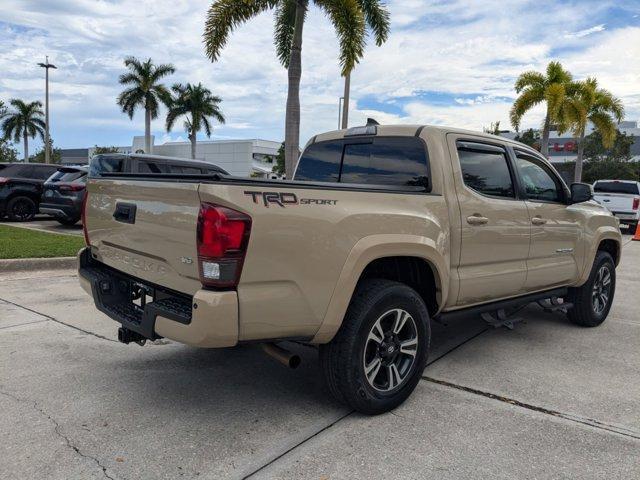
pixel 616 187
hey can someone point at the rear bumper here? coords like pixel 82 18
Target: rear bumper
pixel 626 216
pixel 208 319
pixel 60 211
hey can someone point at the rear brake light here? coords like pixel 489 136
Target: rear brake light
pixel 636 203
pixel 85 231
pixel 3 180
pixel 222 236
pixel 70 187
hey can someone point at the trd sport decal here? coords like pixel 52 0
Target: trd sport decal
pixel 285 198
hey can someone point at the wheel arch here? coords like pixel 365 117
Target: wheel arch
pixel 385 256
pixel 608 239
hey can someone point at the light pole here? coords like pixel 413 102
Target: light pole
pixel 47 143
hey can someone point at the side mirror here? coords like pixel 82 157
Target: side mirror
pixel 581 192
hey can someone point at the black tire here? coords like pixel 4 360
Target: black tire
pixel 21 209
pixel 589 308
pixel 632 228
pixel 381 303
pixel 68 222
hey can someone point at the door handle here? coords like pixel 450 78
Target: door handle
pixel 477 219
pixel 125 213
pixel 538 221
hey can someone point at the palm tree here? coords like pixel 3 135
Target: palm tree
pixel 588 103
pixel 144 91
pixel 345 15
pixel 26 121
pixel 534 88
pixel 198 103
pixel 376 17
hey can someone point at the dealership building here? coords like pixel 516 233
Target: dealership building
pixel 245 158
pixel 563 148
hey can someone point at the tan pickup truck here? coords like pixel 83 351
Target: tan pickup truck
pixel 383 229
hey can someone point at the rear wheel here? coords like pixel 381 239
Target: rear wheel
pixel 21 209
pixel 592 301
pixel 377 357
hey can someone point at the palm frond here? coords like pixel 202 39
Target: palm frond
pixel 528 99
pixel 225 15
pixel 285 24
pixel 557 74
pixel 348 21
pixel 605 125
pixel 377 17
pixel 529 79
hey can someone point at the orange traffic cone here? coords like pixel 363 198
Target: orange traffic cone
pixel 637 235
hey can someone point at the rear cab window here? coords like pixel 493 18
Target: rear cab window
pixel 106 164
pixel 612 186
pixel 485 169
pixel 393 161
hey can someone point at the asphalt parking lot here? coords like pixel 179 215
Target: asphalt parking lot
pixel 45 223
pixel 544 400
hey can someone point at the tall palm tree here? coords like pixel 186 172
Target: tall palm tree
pixel 198 104
pixel 144 90
pixel 345 15
pixel 376 17
pixel 26 121
pixel 534 88
pixel 589 103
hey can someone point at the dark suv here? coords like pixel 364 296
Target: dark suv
pixel 21 188
pixel 63 194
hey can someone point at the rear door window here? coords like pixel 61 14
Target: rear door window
pixel 320 162
pixel 486 170
pixel 616 187
pixel 386 161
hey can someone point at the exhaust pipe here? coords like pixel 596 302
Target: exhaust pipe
pixel 282 355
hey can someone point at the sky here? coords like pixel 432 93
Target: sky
pixel 445 63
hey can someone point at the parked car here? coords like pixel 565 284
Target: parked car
pixel 141 163
pixel 21 189
pixel 63 193
pixel 383 229
pixel 622 198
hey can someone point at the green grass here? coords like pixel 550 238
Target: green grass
pixel 16 242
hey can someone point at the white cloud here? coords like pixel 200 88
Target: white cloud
pixel 472 51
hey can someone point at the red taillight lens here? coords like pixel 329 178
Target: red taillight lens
pixel 70 187
pixel 3 180
pixel 223 236
pixel 84 219
pixel 636 203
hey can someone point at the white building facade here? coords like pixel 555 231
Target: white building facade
pixel 243 158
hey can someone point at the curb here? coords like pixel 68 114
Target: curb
pixel 30 264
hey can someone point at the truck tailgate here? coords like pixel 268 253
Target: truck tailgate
pixel 616 202
pixel 146 230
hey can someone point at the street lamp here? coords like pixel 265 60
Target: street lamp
pixel 47 143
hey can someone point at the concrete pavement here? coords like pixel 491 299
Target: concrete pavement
pixel 545 400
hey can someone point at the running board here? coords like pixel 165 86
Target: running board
pixel 503 304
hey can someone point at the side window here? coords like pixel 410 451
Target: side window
pixel 539 183
pixel 320 162
pixel 100 164
pixel 145 166
pixel 486 171
pixel 386 161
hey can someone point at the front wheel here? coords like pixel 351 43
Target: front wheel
pixel 377 357
pixel 592 301
pixel 68 222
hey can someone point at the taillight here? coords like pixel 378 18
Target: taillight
pixel 222 236
pixel 3 180
pixel 84 219
pixel 70 187
pixel 636 203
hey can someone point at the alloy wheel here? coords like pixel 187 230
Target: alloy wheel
pixel 601 290
pixel 390 350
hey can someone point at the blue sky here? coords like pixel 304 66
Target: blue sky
pixel 446 63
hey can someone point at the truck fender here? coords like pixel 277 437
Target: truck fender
pixel 605 232
pixel 362 254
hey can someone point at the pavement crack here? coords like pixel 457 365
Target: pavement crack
pixel 627 432
pixel 53 319
pixel 278 457
pixel 58 431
